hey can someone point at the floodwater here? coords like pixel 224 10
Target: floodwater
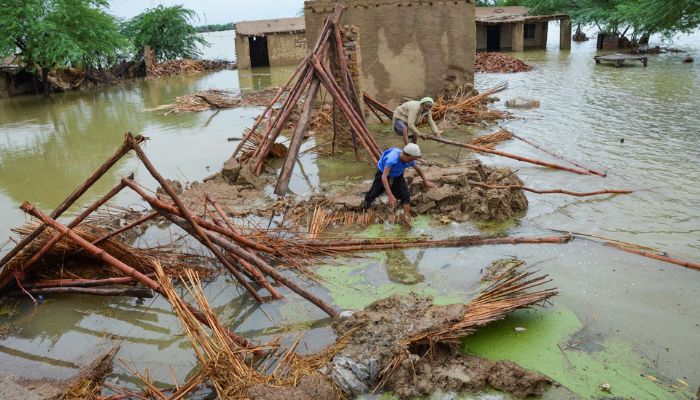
pixel 48 146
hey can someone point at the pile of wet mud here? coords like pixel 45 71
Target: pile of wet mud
pixel 377 335
pixel 455 197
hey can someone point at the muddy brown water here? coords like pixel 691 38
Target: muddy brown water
pixel 48 146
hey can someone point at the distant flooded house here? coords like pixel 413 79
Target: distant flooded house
pixel 270 42
pixel 512 28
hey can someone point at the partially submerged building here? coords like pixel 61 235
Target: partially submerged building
pixel 270 42
pixel 512 28
pixel 406 48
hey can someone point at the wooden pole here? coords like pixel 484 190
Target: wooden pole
pixel 75 195
pixel 551 191
pixel 196 232
pixel 142 293
pixel 683 263
pixel 173 209
pixel 259 277
pixel 553 154
pixel 298 137
pixel 123 268
pixel 7 274
pixel 508 155
pixel 47 283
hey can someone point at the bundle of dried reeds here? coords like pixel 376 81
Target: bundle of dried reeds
pixel 509 292
pixel 491 140
pixel 464 108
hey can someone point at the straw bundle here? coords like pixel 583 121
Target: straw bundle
pixel 491 140
pixel 509 292
pixel 463 108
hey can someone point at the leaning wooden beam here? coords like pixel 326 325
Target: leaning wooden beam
pixel 683 263
pixel 260 278
pixel 197 231
pixel 551 191
pixel 79 191
pixel 173 209
pixel 6 274
pixel 50 283
pixel 507 155
pixel 298 137
pixel 259 263
pixel 553 154
pixel 142 293
pixel 123 268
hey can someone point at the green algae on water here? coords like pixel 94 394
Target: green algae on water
pixel 541 347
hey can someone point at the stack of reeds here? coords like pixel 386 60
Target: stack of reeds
pixel 313 72
pixel 510 291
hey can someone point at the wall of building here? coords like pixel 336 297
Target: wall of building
pixel 410 48
pixel 282 48
pixel 539 41
pixel 242 52
pixel 286 48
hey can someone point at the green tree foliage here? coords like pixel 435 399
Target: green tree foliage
pixel 167 30
pixel 634 18
pixel 216 27
pixel 46 34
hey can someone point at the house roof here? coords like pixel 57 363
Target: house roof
pixel 264 26
pixel 497 15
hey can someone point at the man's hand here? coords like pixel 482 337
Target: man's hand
pixel 392 200
pixel 429 185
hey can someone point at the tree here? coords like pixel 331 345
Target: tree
pixel 634 18
pixel 47 34
pixel 167 30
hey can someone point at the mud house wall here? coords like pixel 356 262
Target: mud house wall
pixel 286 48
pixel 282 49
pixel 539 41
pixel 242 52
pixel 409 48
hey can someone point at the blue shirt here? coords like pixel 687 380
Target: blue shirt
pixel 390 158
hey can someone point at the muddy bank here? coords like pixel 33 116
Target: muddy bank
pixel 455 197
pixel 378 333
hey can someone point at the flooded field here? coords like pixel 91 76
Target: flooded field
pixel 620 319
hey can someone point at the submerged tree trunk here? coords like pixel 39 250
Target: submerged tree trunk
pixel 45 80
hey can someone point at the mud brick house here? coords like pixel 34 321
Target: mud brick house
pixel 406 48
pixel 270 42
pixel 511 28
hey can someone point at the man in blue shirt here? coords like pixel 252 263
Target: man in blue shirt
pixel 389 177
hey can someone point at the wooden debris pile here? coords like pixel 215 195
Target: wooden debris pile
pixel 215 99
pixel 177 67
pixel 496 62
pixel 313 72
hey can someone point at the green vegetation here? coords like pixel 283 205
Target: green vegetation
pixel 216 27
pixel 167 30
pixel 630 18
pixel 47 34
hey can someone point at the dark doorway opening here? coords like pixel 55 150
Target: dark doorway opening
pixel 258 51
pixel 493 37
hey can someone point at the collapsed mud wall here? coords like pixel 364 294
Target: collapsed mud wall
pixel 409 48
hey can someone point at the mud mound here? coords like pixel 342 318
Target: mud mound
pixel 455 198
pixel 309 388
pixel 379 330
pixel 450 371
pixel 499 63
